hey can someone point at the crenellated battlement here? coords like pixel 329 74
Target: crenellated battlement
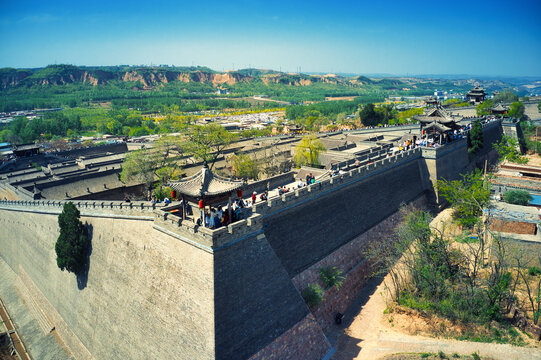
pixel 200 236
pixel 86 207
pixel 298 196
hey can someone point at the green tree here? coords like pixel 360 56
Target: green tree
pixel 516 110
pixel 484 107
pixel 506 96
pixel 467 197
pixel 517 197
pixel 72 244
pixel 115 127
pixel 207 143
pixel 243 166
pixel 369 116
pixel 507 148
pixel 313 294
pixel 159 163
pixel 475 137
pixel 307 151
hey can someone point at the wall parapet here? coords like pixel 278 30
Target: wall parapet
pixel 300 195
pixel 86 207
pixel 208 239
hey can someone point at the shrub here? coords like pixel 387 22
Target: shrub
pixel 517 197
pixel 72 244
pixel 162 192
pixel 533 271
pixel 475 356
pixel 331 276
pixel 313 295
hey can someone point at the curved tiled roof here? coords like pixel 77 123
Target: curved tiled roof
pixel 499 107
pixel 438 126
pixel 205 183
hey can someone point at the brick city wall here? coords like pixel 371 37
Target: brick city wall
pixel 306 232
pixel 146 295
pixel 351 259
pixel 303 338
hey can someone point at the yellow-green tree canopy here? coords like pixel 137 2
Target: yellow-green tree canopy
pixel 207 143
pixel 159 163
pixel 244 166
pixel 307 151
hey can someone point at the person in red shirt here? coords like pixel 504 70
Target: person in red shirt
pixel 254 197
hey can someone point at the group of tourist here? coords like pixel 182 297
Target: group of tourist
pixel 263 197
pixel 310 179
pixel 216 217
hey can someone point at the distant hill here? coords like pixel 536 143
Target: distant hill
pixel 150 77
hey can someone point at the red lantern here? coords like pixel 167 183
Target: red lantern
pixel 239 193
pixel 173 194
pixel 201 204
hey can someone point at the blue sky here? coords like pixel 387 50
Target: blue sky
pixel 480 37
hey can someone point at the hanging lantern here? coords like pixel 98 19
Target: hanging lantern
pixel 173 194
pixel 239 193
pixel 201 204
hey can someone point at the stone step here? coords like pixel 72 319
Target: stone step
pixel 43 321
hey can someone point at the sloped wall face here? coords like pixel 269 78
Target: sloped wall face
pixel 147 295
pixel 305 234
pixel 256 302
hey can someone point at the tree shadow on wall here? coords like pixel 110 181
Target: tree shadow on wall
pixel 82 277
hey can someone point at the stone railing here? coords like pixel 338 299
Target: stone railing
pixel 86 207
pixel 436 152
pixel 298 196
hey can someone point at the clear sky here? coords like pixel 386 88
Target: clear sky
pixel 475 37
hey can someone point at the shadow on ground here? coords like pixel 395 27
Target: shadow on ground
pixel 348 347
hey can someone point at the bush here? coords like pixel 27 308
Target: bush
pixel 331 276
pixel 517 197
pixel 161 193
pixel 72 244
pixel 533 271
pixel 313 295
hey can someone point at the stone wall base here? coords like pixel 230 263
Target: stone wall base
pixel 357 270
pixel 305 340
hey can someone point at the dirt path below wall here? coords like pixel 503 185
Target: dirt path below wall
pixel 368 334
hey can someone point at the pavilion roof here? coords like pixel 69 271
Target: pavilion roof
pixel 477 91
pixel 437 114
pixel 205 183
pixel 500 107
pixel 437 126
pixel 439 119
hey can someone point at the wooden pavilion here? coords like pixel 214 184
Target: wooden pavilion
pixel 436 121
pixel 206 188
pixel 499 110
